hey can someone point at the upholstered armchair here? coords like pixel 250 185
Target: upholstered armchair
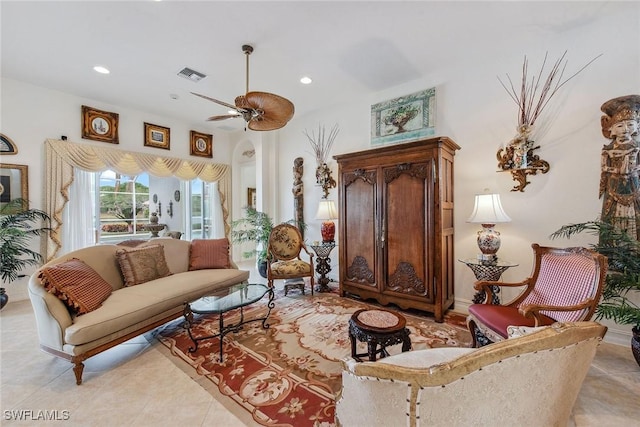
pixel 531 380
pixel 283 255
pixel 565 286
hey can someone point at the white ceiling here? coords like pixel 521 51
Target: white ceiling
pixel 350 49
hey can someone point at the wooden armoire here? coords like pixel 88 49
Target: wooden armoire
pixel 396 224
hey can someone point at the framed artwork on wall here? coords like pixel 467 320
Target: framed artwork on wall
pixel 251 197
pixel 14 184
pixel 201 144
pixel 99 125
pixel 157 136
pixel 7 146
pixel 404 119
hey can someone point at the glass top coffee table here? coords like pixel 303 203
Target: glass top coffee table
pixel 235 297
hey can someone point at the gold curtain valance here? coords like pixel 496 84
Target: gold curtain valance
pixel 63 156
pixel 96 159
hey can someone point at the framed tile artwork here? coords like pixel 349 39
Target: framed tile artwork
pixel 157 136
pixel 99 125
pixel 201 144
pixel 407 118
pixel 14 184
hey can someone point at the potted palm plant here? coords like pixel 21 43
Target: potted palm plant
pixel 18 225
pixel 623 278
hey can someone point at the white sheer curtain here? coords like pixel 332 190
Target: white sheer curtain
pixel 217 220
pixel 80 211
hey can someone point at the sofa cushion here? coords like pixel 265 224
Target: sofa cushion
pixel 76 284
pixel 209 253
pixel 142 264
pixel 135 305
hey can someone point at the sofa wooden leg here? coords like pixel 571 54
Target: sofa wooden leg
pixel 77 369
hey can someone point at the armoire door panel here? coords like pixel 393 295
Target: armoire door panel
pixel 406 267
pixel 360 228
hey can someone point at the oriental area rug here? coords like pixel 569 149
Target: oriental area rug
pixel 289 374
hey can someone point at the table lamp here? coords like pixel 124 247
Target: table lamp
pixel 327 212
pixel 488 212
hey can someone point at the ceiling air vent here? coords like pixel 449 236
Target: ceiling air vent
pixel 192 75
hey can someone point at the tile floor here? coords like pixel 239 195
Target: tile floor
pixel 134 384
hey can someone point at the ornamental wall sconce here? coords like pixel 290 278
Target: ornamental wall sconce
pixel 170 209
pixel 324 179
pixel 159 210
pixel 532 96
pixel 321 145
pixel 519 158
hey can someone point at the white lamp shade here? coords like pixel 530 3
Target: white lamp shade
pixel 327 210
pixel 488 210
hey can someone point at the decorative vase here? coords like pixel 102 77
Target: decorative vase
pixel 4 299
pixel 262 268
pixel 635 343
pixel 154 218
pixel 521 145
pixel 488 242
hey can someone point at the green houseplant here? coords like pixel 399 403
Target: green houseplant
pixel 18 225
pixel 623 278
pixel 254 227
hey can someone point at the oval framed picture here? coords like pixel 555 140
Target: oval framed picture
pixel 176 195
pixel 201 144
pixel 99 125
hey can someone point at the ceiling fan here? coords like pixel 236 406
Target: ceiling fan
pixel 261 110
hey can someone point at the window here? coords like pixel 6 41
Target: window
pixel 125 203
pixel 123 206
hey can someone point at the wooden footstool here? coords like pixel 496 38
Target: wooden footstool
pixel 377 328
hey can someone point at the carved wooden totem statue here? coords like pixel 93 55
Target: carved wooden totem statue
pixel 620 164
pixel 298 193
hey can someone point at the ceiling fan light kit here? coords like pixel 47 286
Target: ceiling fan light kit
pixel 262 111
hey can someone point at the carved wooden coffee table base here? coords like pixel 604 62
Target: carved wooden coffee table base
pixel 379 329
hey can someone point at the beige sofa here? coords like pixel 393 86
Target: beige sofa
pixel 128 311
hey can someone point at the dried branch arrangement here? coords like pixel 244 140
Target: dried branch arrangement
pixel 532 98
pixel 321 144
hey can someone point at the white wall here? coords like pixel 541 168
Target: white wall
pixel 475 111
pixel 31 114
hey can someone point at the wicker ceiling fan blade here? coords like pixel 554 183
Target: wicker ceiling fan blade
pixel 263 124
pixel 223 117
pixel 217 101
pixel 275 108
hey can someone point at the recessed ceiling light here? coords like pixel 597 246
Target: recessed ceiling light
pixel 100 69
pixel 306 80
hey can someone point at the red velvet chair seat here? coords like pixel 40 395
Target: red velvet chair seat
pixel 498 317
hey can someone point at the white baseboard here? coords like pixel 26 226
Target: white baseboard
pixel 616 334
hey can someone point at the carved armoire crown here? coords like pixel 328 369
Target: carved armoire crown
pixel 396 224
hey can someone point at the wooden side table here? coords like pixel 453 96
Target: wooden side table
pixel 323 266
pixel 377 328
pixel 487 270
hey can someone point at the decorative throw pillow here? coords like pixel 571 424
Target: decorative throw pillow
pixel 79 286
pixel 209 253
pixel 142 264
